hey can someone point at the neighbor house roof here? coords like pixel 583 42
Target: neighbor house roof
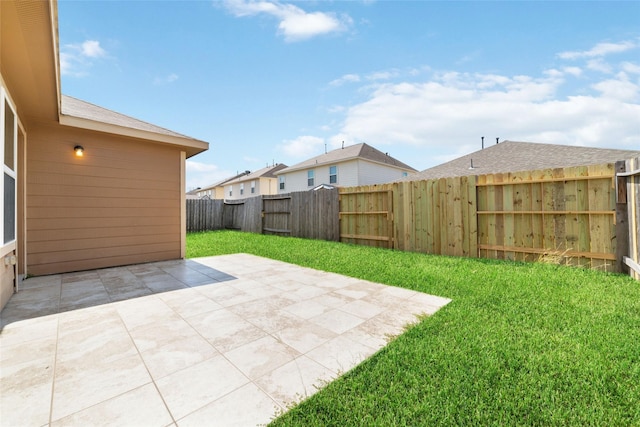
pixel 224 181
pixel 267 172
pixel 78 113
pixel 359 151
pixel 512 156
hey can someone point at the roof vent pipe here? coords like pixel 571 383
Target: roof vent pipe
pixel 471 167
pixel 343 145
pixel 497 139
pixel 482 138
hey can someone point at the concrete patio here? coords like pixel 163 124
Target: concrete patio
pixel 226 340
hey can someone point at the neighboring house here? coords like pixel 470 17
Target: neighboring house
pixel 193 194
pixel 121 202
pixel 359 164
pixel 512 156
pixel 260 182
pixel 216 191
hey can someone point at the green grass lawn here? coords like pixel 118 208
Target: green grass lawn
pixel 520 344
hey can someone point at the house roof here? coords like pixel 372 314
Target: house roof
pixel 224 181
pixel 361 151
pixel 29 61
pixel 267 172
pixel 30 66
pixel 513 156
pixel 82 114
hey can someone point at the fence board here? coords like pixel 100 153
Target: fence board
pixel 568 214
pixel 633 212
pixel 204 215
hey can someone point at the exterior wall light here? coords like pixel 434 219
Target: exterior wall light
pixel 79 150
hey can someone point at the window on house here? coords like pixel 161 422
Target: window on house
pixel 9 141
pixel 405 173
pixel 230 193
pixel 253 187
pixel 281 181
pixel 241 189
pixel 310 178
pixel 333 174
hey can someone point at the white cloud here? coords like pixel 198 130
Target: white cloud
pixel 383 75
pixel 166 79
pixel 619 88
pixel 347 78
pixel 202 174
pixel 92 49
pixel 294 23
pixel 599 50
pixel 448 110
pixel 630 68
pixel 574 71
pixel 303 147
pixel 77 58
pixel 599 65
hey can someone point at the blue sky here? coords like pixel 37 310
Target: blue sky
pixel 266 82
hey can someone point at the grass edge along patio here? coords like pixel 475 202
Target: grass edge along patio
pixel 520 344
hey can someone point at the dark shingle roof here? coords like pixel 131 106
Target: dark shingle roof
pixel 358 151
pixel 85 110
pixel 512 156
pixel 268 172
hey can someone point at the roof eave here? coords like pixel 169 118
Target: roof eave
pixel 307 166
pixel 191 146
pixel 346 159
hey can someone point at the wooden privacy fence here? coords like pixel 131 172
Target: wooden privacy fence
pixel 436 216
pixel 567 215
pixel 586 216
pixel 628 196
pixel 308 214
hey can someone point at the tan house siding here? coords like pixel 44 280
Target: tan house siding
pixel 118 204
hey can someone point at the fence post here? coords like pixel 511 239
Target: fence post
pixel 622 223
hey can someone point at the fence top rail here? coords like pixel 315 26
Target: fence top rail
pixel 270 197
pixel 346 193
pixel 548 212
pixel 630 173
pixel 542 181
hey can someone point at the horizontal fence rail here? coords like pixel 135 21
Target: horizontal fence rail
pixel 308 214
pixel 585 216
pixel 565 215
pixel 561 215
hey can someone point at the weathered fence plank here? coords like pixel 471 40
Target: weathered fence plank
pixel 204 215
pixel 312 214
pixel 571 213
pixel 565 214
pixel 632 175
